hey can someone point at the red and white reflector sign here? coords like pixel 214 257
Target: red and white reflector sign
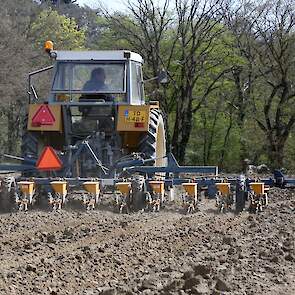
pixel 43 116
pixel 49 160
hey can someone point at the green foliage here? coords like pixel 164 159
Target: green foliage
pixel 63 31
pixel 209 143
pixel 110 38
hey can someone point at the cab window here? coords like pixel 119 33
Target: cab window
pixel 136 82
pixel 105 80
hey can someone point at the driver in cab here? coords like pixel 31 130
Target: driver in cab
pixel 97 81
pixel 95 84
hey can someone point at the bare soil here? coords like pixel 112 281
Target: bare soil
pixel 101 252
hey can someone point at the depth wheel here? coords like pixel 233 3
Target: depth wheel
pixel 240 201
pixel 138 200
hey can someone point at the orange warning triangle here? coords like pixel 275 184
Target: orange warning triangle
pixel 49 160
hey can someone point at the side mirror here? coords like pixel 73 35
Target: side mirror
pixel 163 77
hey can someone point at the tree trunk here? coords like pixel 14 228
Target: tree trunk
pixel 241 103
pixel 276 152
pixel 182 127
pixel 225 142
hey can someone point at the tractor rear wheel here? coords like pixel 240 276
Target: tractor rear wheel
pixel 29 145
pixel 153 143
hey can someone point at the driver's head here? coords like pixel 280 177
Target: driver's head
pixel 98 74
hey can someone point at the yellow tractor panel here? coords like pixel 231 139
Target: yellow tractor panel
pixel 133 118
pixel 55 111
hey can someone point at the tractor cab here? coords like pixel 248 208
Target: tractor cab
pixel 104 77
pixel 90 86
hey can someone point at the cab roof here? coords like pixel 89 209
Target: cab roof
pixel 103 55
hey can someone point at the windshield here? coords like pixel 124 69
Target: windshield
pixel 89 78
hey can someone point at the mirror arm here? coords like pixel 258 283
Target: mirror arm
pixel 151 79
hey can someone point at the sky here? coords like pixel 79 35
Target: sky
pixel 111 4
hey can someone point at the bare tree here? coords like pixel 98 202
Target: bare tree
pixel 198 26
pixel 181 41
pixel 239 17
pixel 273 103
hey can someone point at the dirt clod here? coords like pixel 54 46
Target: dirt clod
pixel 51 238
pixel 202 269
pixel 191 282
pixel 221 285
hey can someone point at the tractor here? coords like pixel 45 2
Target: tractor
pixel 94 130
pixel 95 120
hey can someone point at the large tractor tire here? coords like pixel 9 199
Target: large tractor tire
pixel 153 143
